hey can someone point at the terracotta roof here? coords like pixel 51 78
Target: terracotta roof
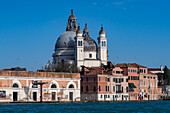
pixel 129 65
pixel 94 71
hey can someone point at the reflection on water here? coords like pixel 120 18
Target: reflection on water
pixel 107 107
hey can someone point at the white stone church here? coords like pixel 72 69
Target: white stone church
pixel 75 46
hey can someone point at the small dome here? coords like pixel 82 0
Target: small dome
pixel 89 44
pixel 78 30
pixel 72 16
pixel 66 40
pixel 101 31
pixel 85 29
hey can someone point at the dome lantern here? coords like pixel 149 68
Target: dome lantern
pixel 102 32
pixel 79 32
pixel 72 22
pixel 86 31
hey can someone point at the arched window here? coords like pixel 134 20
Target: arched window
pixel 94 88
pixel 106 88
pixel 15 85
pixel 102 43
pixel 81 43
pixel 81 88
pixel 99 88
pixel 71 86
pixel 53 86
pixel 87 88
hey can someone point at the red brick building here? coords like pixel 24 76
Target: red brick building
pixel 104 85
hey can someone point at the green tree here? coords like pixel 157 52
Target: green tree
pixel 66 67
pixel 166 76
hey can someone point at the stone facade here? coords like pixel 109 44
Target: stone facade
pixel 17 86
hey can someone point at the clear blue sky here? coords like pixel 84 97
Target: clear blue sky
pixel 137 30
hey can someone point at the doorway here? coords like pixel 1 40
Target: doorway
pixel 53 95
pixel 70 95
pixel 15 96
pixel 113 97
pixel 122 97
pixel 148 97
pixel 35 96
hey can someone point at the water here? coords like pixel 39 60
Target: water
pixel 95 107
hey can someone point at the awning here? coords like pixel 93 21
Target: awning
pixel 131 85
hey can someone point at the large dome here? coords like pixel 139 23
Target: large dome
pixel 89 44
pixel 66 40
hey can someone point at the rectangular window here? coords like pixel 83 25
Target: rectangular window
pixel 99 78
pixel 144 71
pixel 99 88
pixel 141 82
pixel 105 78
pixel 118 72
pixel 87 79
pixel 101 96
pixel 81 79
pixel 127 80
pixel 122 80
pixel 113 79
pixel 108 96
pixel 138 86
pixel 94 78
pixel 106 88
pixel 127 89
pixel 2 94
pixel 113 88
pixel 90 55
pixel 144 76
pixel 128 70
pixel 108 79
pixel 131 70
pixel 116 80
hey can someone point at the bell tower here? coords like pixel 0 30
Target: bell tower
pixel 79 48
pixel 72 22
pixel 102 47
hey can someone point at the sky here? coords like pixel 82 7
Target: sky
pixel 137 30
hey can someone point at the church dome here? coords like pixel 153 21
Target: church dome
pixel 89 44
pixel 66 40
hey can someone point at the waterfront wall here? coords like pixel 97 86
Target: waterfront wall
pixel 18 86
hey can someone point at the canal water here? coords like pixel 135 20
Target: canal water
pixel 89 107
